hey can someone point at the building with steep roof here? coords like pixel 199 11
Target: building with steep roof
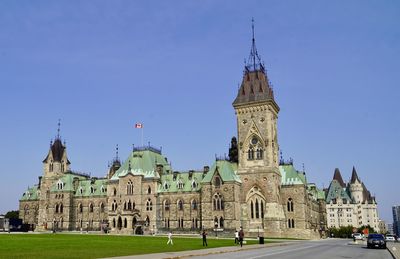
pixel 351 204
pixel 252 189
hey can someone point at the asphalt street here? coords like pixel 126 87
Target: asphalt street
pixel 329 248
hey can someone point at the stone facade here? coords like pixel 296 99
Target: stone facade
pixel 253 189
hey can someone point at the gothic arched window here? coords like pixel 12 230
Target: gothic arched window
pixel 217 181
pixel 149 205
pixel 290 205
pixel 129 188
pixel 166 205
pixel 218 202
pixel 180 205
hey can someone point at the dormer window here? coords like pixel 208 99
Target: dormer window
pixel 60 185
pixel 92 189
pixel 180 184
pixel 166 186
pixel 194 184
pixel 103 189
pixel 80 190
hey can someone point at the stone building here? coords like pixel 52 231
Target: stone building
pixel 253 188
pixel 350 204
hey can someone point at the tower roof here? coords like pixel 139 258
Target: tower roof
pixel 57 150
pixel 338 177
pixel 255 86
pixel 354 176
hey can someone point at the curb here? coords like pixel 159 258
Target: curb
pixel 226 251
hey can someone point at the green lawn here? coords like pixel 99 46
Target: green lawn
pixel 95 246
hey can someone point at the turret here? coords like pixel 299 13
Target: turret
pixel 56 161
pixel 356 188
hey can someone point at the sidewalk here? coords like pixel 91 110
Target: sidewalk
pixel 394 249
pixel 200 252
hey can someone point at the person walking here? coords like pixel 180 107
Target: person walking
pixel 236 237
pixel 170 238
pixel 204 234
pixel 241 236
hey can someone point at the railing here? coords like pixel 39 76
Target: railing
pixel 150 148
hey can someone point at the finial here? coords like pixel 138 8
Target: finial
pixel 129 168
pixel 133 147
pixel 116 152
pixel 58 129
pixel 304 170
pixel 51 142
pixel 252 27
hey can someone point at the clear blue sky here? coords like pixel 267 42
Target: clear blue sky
pixel 175 66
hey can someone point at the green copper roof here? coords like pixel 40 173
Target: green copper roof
pixel 316 193
pixel 291 176
pixel 336 191
pixel 143 162
pixel 91 187
pixel 31 194
pixel 180 182
pixel 226 169
pixel 67 181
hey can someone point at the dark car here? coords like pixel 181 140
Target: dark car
pixel 376 240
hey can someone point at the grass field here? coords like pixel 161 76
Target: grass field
pixel 95 246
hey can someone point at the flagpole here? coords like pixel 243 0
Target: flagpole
pixel 142 135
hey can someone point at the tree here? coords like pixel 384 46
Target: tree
pixel 12 214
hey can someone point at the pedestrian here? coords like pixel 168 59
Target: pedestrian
pixel 204 234
pixel 170 238
pixel 236 237
pixel 241 236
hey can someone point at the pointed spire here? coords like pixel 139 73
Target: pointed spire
pixel 116 153
pixel 254 62
pixel 354 176
pixel 338 177
pixel 58 129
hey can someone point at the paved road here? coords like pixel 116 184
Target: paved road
pixel 330 249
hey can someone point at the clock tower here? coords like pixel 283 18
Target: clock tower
pixel 258 165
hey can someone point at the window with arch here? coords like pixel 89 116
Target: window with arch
pixel 129 207
pixel 61 208
pixel 166 205
pixel 103 189
pixel 217 181
pixel 290 223
pixel 149 205
pixel 51 167
pixel 166 186
pixel 129 188
pixel 180 184
pixel 147 221
pixel 91 207
pixel 80 190
pixel 114 205
pixel 194 184
pixel 194 205
pixel 56 208
pixel 255 149
pixel 115 191
pixel 290 206
pixel 180 205
pixel 80 208
pixel 60 185
pixel 113 222
pixel 218 202
pixel 256 203
pixel 149 190
pixel 91 189
pixel 125 223
pixel 102 207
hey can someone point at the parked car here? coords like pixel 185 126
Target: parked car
pixel 358 236
pixel 390 238
pixel 376 240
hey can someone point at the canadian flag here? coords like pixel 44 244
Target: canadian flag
pixel 138 125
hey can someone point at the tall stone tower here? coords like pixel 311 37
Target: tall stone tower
pixel 54 166
pixel 258 167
